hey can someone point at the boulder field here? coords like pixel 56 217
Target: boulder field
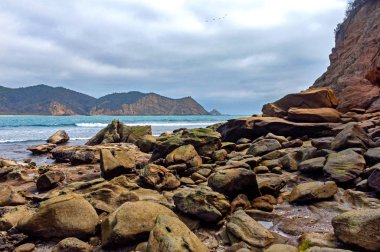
pixel 262 183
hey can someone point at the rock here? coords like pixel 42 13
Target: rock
pixel 219 155
pixel 159 177
pixel 171 235
pixel 326 240
pixel 254 127
pixel 372 156
pixel 184 154
pixel 10 216
pixel 314 115
pixel 118 132
pixel 271 183
pixel 324 249
pixel 264 203
pixel 292 144
pixel 146 143
pixel 314 165
pixel 374 180
pixel 41 149
pixel 203 204
pixel 281 248
pixel 232 182
pixel 26 247
pixel 359 227
pixel 264 146
pixel 204 140
pixel 59 137
pixel 260 169
pixel 72 244
pixel 313 191
pixel 49 180
pixel 241 227
pixel 116 163
pixel 62 216
pixel 312 98
pixel 344 166
pixel 9 197
pixel 322 143
pixel 241 201
pixel 352 136
pixel 9 241
pixel 83 157
pixel 131 222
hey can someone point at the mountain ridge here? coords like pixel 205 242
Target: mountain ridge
pixel 46 100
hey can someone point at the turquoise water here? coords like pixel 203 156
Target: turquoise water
pixel 18 132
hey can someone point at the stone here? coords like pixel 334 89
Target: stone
pixel 352 136
pixel 72 244
pixel 344 166
pixel 314 115
pixel 281 248
pixel 146 143
pixel 49 180
pixel 254 127
pixel 26 247
pixel 83 157
pixel 292 144
pixel 131 222
pixel 372 156
pixel 60 217
pixel 41 149
pixel 118 132
pixel 203 204
pixel 184 154
pixel 158 177
pixel 314 165
pixel 312 98
pixel 113 164
pixel 171 235
pixel 271 183
pixel 263 147
pixel 322 142
pixel 232 182
pixel 10 216
pixel 241 227
pixel 241 201
pixel 260 169
pixel 9 197
pixel 313 191
pixel 327 240
pixel 324 249
pixel 359 227
pixel 204 140
pixel 219 155
pixel 59 137
pixel 374 180
pixel 264 203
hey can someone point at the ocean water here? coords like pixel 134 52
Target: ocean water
pixel 19 132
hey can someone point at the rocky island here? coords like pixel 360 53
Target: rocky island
pixel 303 176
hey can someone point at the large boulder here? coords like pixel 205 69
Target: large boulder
pixel 314 115
pixel 241 227
pixel 172 235
pixel 59 137
pixel 254 127
pixel 60 217
pixel 118 132
pixel 131 222
pixel 352 136
pixel 232 182
pixel 344 166
pixel 313 191
pixel 185 154
pixel 158 177
pixel 359 227
pixel 312 98
pixel 116 163
pixel 203 204
pixel 204 140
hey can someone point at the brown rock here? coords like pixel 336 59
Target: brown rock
pixel 314 115
pixel 49 180
pixel 241 201
pixel 184 154
pixel 264 146
pixel 9 197
pixel 159 177
pixel 313 191
pixel 72 244
pixel 374 180
pixel 59 137
pixel 41 149
pixel 352 136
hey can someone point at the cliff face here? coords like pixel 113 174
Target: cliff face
pixel 354 71
pixel 45 100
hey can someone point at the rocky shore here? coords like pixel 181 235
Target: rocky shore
pixel 301 177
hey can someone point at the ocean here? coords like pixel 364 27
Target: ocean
pixel 19 132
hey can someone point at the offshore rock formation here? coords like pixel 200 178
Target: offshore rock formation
pixel 354 71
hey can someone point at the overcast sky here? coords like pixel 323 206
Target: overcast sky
pixel 230 55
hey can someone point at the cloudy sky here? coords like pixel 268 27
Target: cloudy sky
pixel 230 55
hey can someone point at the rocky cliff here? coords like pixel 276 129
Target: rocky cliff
pixel 354 71
pixel 45 100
